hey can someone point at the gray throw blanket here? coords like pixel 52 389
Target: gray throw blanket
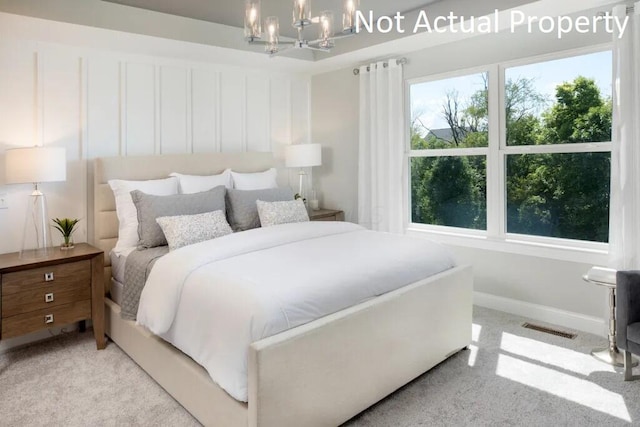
pixel 136 270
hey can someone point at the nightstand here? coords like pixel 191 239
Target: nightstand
pixel 326 215
pixel 63 287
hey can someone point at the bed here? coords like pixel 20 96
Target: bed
pixel 320 373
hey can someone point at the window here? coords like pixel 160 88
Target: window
pixel 560 113
pixel 543 128
pixel 449 135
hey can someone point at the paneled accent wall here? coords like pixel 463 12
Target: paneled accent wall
pixel 102 103
pixel 159 107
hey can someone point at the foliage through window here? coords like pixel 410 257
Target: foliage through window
pixel 552 144
pixel 450 189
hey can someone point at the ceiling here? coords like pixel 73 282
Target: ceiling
pixel 211 30
pixel 231 13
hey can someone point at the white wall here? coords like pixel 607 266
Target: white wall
pixel 335 112
pixel 554 284
pixel 97 102
pixel 105 102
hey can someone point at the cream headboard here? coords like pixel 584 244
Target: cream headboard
pixel 103 231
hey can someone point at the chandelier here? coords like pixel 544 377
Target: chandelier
pixel 301 19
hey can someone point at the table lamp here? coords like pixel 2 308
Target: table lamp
pixel 303 156
pixel 36 165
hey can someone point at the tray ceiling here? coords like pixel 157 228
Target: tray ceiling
pixel 231 13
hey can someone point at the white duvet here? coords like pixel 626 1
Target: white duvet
pixel 212 299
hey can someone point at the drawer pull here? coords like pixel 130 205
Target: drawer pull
pixel 48 318
pixel 48 277
pixel 48 297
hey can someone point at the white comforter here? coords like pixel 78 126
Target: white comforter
pixel 212 299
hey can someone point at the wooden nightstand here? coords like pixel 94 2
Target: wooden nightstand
pixel 61 288
pixel 326 215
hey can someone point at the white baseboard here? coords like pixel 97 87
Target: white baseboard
pixel 543 313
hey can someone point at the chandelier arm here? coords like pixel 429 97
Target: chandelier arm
pixel 318 48
pixel 333 37
pixel 264 43
pixel 316 41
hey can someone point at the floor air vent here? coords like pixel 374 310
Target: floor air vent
pixel 549 330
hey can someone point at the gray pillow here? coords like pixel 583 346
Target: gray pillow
pixel 242 211
pixel 151 207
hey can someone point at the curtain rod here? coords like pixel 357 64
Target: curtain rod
pixel 385 64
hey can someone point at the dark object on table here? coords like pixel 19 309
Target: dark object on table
pixel 628 316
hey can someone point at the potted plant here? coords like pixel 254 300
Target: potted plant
pixel 66 227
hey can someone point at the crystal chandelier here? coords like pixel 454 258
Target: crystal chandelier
pixel 301 19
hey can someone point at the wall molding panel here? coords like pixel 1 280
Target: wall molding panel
pixel 100 102
pixel 166 107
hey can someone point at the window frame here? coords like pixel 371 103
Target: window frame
pixel 496 236
pixel 444 152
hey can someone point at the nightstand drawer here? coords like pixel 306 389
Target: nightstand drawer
pixel 42 319
pixel 325 218
pixel 78 273
pixel 57 289
pixel 39 299
pixel 326 215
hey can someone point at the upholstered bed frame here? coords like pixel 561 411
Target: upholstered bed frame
pixel 318 374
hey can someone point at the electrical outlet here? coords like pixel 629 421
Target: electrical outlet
pixel 4 201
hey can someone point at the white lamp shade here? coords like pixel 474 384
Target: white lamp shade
pixel 303 155
pixel 35 164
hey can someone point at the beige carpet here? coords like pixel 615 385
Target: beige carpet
pixel 511 376
pixel 65 381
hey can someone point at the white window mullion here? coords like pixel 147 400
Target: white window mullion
pixel 445 152
pixel 495 176
pixel 589 147
pixel 501 184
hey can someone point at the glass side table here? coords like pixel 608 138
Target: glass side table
pixel 611 354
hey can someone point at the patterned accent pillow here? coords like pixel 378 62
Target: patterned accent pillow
pixel 183 230
pixel 150 207
pixel 274 213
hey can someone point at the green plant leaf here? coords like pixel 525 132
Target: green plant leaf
pixel 65 226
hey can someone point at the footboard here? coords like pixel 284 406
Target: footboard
pixel 325 372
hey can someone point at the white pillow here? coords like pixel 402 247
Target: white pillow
pixel 183 230
pixel 126 210
pixel 255 181
pixel 274 213
pixel 190 184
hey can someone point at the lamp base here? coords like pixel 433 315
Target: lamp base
pixel 36 239
pixel 302 176
pixel 35 253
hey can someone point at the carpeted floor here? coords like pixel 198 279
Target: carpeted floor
pixel 510 376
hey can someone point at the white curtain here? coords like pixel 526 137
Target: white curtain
pixel 381 165
pixel 624 226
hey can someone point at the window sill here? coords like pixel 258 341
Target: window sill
pixel 511 245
